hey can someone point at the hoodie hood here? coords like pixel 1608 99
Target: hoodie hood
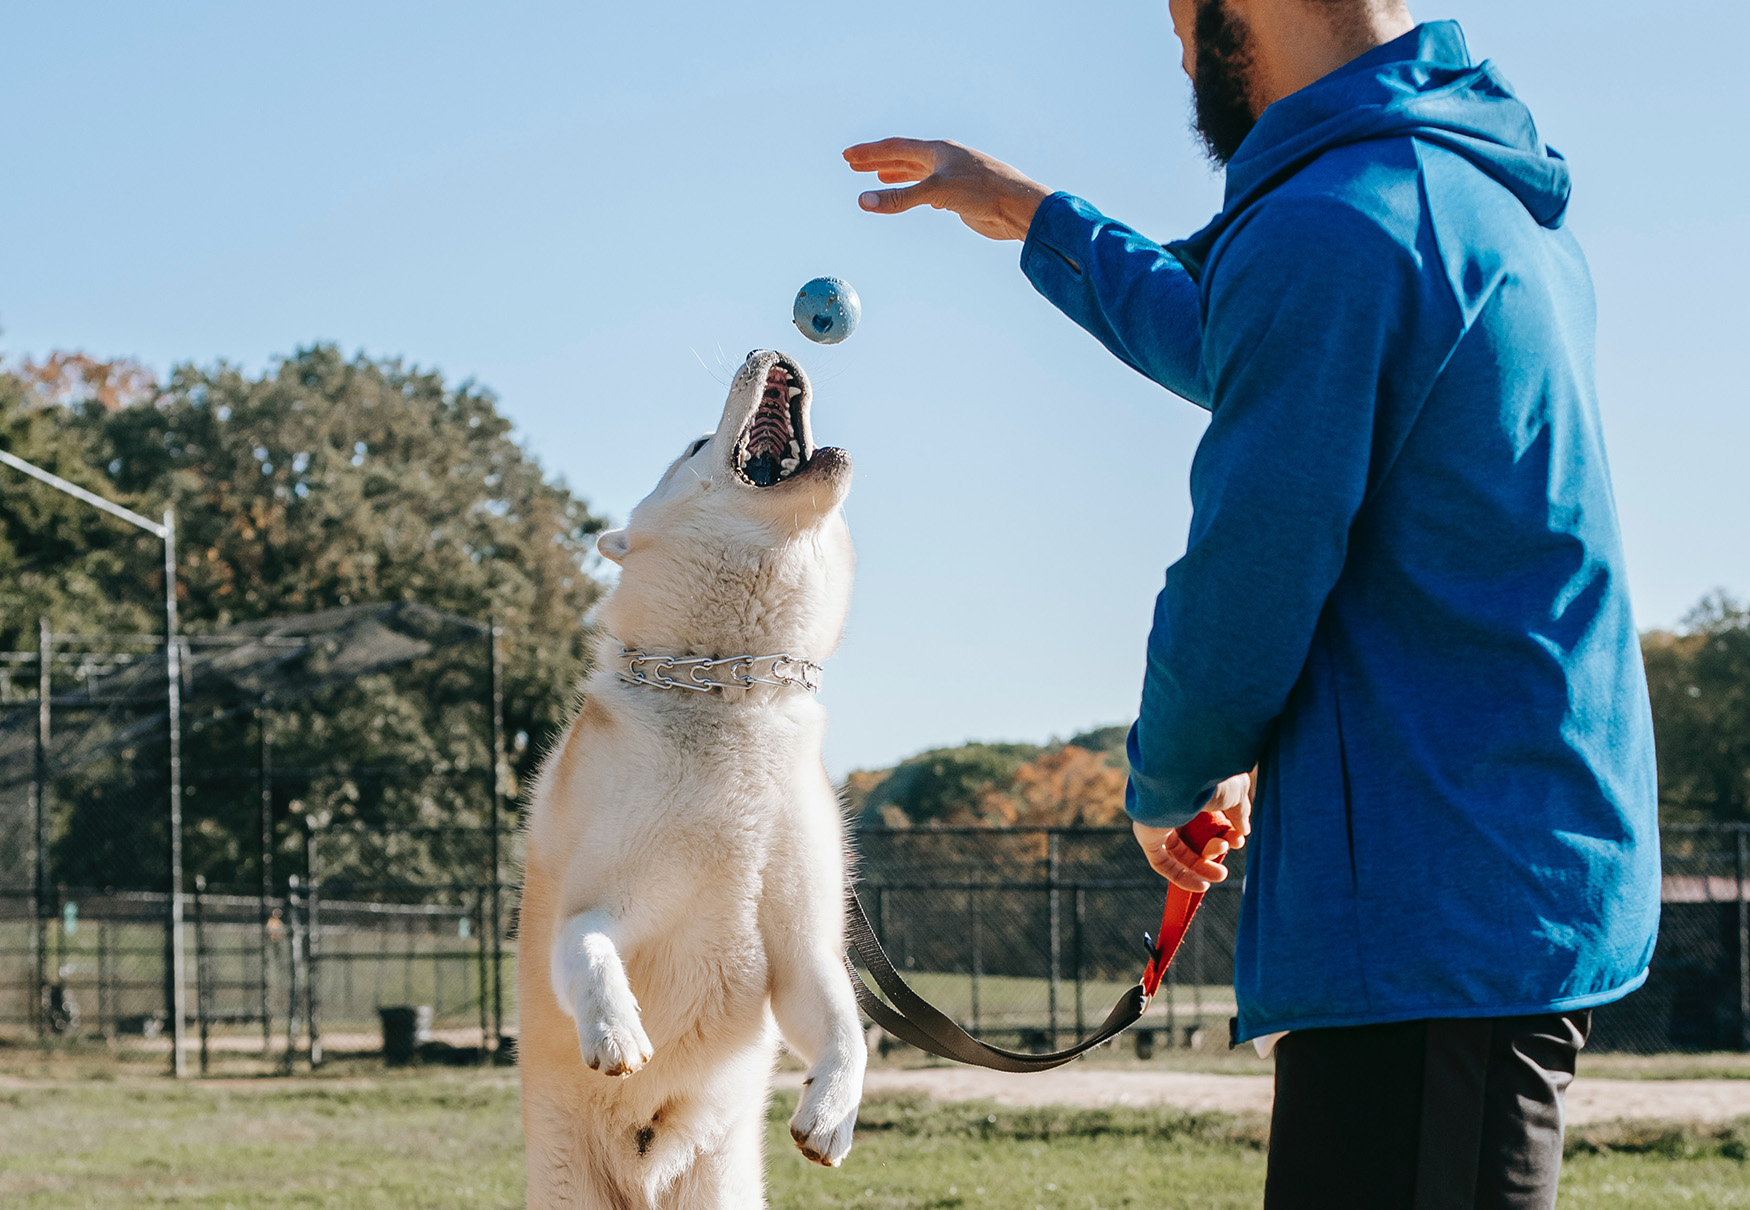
pixel 1421 85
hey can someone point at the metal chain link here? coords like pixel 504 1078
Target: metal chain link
pixel 699 672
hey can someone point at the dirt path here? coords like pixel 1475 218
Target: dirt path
pixel 1590 1099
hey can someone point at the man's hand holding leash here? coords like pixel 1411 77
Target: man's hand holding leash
pixel 1184 867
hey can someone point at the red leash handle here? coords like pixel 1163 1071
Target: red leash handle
pixel 1181 904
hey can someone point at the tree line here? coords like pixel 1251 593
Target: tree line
pixel 1698 677
pixel 325 481
pixel 329 480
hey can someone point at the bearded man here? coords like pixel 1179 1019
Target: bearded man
pixel 1402 598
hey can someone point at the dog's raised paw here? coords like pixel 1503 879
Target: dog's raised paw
pixel 593 992
pixel 609 1033
pixel 614 1049
pixel 824 1120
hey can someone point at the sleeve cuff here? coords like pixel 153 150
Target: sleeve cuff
pixel 1051 257
pixel 1155 812
pixel 1152 804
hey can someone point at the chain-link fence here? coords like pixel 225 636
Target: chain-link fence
pixel 346 841
pixel 343 832
pixel 1029 936
pixel 1697 996
pixel 1026 936
pixel 283 981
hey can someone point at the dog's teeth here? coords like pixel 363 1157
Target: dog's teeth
pixel 795 450
pixel 787 465
pixel 794 391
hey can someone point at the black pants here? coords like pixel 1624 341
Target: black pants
pixel 1424 1115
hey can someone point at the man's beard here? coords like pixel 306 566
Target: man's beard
pixel 1221 86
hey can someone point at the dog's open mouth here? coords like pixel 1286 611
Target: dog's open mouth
pixel 774 445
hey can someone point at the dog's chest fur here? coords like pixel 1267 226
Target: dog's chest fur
pixel 684 815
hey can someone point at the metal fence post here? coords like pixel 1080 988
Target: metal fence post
pixel 437 973
pixel 39 933
pixel 1743 871
pixel 313 949
pixel 1051 882
pixel 977 950
pixel 105 1014
pixel 1081 913
pixel 173 718
pixel 58 964
pixel 294 971
pixel 1197 982
pixel 200 964
pixel 264 746
pixel 1172 977
pixel 480 945
pixel 496 687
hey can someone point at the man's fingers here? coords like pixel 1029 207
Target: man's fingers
pixel 867 156
pixel 1235 827
pixel 916 168
pixel 891 176
pixel 1169 856
pixel 1167 866
pixel 1200 865
pixel 1174 860
pixel 894 201
pixel 1177 874
pixel 919 164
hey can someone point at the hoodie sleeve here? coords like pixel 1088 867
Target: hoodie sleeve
pixel 1307 305
pixel 1125 289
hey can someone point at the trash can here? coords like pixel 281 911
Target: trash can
pixel 405 1028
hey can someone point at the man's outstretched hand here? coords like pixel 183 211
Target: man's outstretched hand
pixel 1175 860
pixel 988 195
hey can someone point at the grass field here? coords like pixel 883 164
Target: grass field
pixel 451 1139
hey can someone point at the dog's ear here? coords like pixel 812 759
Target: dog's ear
pixel 614 544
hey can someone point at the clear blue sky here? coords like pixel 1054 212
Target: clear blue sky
pixel 567 202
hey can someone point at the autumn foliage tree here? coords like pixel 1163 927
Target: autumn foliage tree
pixel 1079 783
pixel 1068 787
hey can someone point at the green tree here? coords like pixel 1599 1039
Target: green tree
pixel 323 482
pixel 1699 680
pixel 59 557
pixel 941 786
pixel 1108 742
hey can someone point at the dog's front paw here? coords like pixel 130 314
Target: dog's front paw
pixel 826 1115
pixel 614 1048
pixel 610 1034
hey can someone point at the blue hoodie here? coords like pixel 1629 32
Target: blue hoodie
pixel 1403 590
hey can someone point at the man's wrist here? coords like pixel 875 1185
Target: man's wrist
pixel 1019 207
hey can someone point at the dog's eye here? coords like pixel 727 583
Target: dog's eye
pixel 695 447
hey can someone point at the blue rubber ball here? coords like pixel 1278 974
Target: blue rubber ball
pixel 827 310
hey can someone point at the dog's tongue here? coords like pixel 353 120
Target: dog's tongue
pixel 770 433
pixel 772 448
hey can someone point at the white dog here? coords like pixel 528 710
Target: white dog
pixel 683 901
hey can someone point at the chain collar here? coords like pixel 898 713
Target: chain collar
pixel 703 673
